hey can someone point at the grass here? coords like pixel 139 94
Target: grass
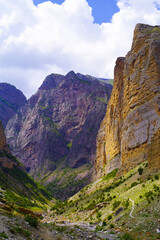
pixel 103 100
pixel 3 235
pixel 100 200
pixel 69 145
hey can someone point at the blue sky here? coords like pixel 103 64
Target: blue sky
pixel 85 36
pixel 102 10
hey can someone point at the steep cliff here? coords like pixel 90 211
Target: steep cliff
pixel 11 99
pixel 130 131
pixel 61 120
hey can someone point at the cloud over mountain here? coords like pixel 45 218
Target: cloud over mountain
pixel 36 41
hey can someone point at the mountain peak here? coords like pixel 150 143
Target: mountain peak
pixel 51 81
pixel 71 75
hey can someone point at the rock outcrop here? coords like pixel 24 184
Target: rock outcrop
pixel 61 120
pixel 4 150
pixel 11 99
pixel 130 131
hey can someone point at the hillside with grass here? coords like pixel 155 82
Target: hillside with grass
pixel 125 206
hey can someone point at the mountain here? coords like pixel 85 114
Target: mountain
pixel 11 99
pixel 130 131
pixel 16 187
pixel 123 200
pixel 57 129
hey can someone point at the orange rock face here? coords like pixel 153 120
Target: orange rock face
pixel 130 131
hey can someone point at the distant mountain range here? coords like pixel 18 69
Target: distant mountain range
pixel 60 124
pixel 11 99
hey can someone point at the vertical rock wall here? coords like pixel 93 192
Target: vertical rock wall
pixel 130 131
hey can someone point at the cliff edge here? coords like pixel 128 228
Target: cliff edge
pixel 130 131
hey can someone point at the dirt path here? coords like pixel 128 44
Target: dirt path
pixel 132 208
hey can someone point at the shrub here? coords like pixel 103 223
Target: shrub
pixel 140 170
pixel 32 220
pixel 134 184
pixel 3 235
pixel 109 217
pixel 104 223
pixel 155 187
pixel 126 204
pixel 98 214
pixel 91 205
pixel 111 225
pixel 156 177
pixel 115 205
pixel 126 236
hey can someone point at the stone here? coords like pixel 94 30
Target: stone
pixel 130 131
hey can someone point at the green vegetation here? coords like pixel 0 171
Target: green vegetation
pixel 110 175
pixel 52 125
pixel 32 220
pixel 8 104
pixel 20 230
pixel 103 100
pixel 3 235
pixel 69 145
pixel 115 205
pixel 111 81
pixel 67 181
pixel 109 200
pixel 140 170
pixel 85 81
pixel 20 190
pixel 126 236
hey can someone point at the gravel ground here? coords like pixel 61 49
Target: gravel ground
pixel 16 228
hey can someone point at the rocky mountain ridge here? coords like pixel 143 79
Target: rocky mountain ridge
pixel 11 99
pixel 60 121
pixel 130 131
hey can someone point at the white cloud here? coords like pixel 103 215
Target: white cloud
pixel 36 41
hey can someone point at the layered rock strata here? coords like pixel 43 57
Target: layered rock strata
pixel 130 131
pixel 61 120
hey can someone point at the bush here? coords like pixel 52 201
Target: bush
pixel 91 205
pixel 140 170
pixel 156 177
pixel 126 204
pixel 134 184
pixel 104 223
pixel 111 225
pixel 156 187
pixel 32 220
pixel 109 217
pixel 98 215
pixel 126 236
pixel 3 235
pixel 115 205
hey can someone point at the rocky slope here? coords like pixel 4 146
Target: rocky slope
pixel 60 121
pixel 130 131
pixel 17 189
pixel 11 99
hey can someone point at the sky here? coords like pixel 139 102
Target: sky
pixel 39 38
